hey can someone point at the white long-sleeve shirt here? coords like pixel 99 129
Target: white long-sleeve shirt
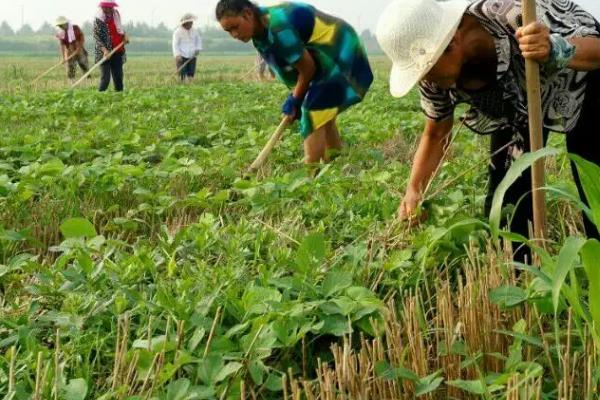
pixel 186 42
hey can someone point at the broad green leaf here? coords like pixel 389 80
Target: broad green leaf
pixel 428 384
pixel 257 370
pixel 76 228
pixel 274 382
pixel 507 296
pixel 227 371
pixel 336 325
pixel 532 340
pixel 178 389
pixel 336 281
pixel 76 389
pixel 516 170
pixel 590 255
pixel 201 393
pixel 566 261
pixel 474 387
pixel 209 367
pixel 589 174
pixel 385 371
pixel 196 338
pixel 311 252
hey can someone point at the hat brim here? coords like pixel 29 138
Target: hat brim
pixel 185 21
pixel 108 5
pixel 403 79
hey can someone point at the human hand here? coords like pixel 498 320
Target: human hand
pixel 408 210
pixel 291 107
pixel 197 52
pixel 105 52
pixel 125 39
pixel 179 59
pixel 534 42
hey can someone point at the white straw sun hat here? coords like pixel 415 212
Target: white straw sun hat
pixel 187 18
pixel 61 21
pixel 414 34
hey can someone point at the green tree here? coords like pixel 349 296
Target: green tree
pixel 5 29
pixel 46 29
pixel 25 30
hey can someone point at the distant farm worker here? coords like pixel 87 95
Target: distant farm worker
pixel 72 48
pixel 474 53
pixel 187 44
pixel 109 34
pixel 319 57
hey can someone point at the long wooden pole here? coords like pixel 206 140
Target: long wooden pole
pixel 107 57
pixel 54 67
pixel 268 149
pixel 534 100
pixel 247 74
pixel 183 66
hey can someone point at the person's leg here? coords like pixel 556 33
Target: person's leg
pixel 315 146
pixel 191 69
pixel 116 67
pixel 82 60
pixel 333 139
pixel 584 141
pixel 71 68
pixel 181 69
pixel 104 76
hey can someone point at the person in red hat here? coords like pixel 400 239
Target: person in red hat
pixel 109 34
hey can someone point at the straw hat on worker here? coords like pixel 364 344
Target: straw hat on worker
pixel 414 35
pixel 60 21
pixel 187 18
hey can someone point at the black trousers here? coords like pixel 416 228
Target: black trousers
pixel 189 71
pixel 583 140
pixel 112 67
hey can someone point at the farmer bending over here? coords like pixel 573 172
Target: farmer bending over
pixel 319 57
pixel 72 48
pixel 474 53
pixel 187 44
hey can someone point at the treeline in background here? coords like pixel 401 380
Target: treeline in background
pixel 144 39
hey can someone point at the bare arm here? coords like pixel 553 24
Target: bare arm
pixel 587 54
pixel 306 72
pixel 63 51
pixel 427 159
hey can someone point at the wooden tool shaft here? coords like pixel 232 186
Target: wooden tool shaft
pixel 98 64
pixel 534 100
pixel 54 67
pixel 268 149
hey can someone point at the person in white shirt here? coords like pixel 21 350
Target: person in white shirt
pixel 186 47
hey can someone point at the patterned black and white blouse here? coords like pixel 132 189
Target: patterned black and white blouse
pixel 504 105
pixel 102 38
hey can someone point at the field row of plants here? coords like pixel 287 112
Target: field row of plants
pixel 138 262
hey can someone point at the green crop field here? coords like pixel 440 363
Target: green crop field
pixel 137 261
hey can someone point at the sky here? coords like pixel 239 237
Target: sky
pixel 362 14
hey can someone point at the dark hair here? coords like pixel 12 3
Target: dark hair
pixel 234 7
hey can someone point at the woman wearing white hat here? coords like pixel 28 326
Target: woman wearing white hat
pixel 473 53
pixel 72 48
pixel 187 44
